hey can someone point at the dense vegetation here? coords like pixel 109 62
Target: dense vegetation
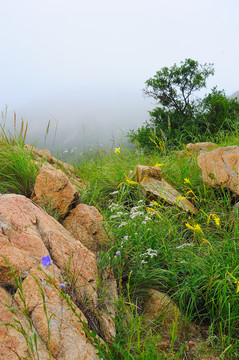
pixel 180 116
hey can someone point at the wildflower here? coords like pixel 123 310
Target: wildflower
pixel 114 192
pixel 194 228
pixel 144 222
pixel 155 203
pixel 122 224
pixel 187 181
pixel 46 261
pixel 117 150
pixel 62 285
pixel 126 237
pixel 158 165
pixel 117 253
pixel 134 212
pixel 144 262
pixel 236 281
pixel 215 218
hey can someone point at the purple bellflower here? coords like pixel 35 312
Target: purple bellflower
pixel 46 261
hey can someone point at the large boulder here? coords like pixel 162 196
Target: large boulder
pixel 28 233
pixel 54 191
pixel 84 222
pixel 154 186
pixel 220 167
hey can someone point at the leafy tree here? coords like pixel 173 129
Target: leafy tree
pixel 173 88
pixel 179 116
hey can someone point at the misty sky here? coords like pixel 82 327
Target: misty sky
pixel 83 64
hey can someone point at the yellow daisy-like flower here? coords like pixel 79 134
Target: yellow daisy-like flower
pixel 186 180
pixel 117 150
pixel 158 165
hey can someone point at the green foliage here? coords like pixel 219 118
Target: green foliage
pixel 218 112
pixel 179 116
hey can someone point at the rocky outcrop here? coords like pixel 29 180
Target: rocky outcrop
pixel 29 233
pixel 154 186
pixel 200 147
pixel 54 191
pixel 220 167
pixel 85 224
pixel 46 156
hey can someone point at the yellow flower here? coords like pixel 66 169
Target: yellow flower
pixel 236 281
pixel 158 165
pixel 189 226
pixel 186 180
pixel 155 203
pixel 215 218
pixel 194 228
pixel 117 150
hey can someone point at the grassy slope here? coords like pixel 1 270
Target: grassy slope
pixel 195 275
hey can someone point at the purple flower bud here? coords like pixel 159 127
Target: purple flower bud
pixel 46 261
pixel 62 285
pixel 117 253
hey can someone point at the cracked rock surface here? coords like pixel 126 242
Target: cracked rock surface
pixel 220 167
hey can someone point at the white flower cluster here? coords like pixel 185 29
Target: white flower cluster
pixel 149 253
pixel 114 207
pixel 125 238
pixel 136 211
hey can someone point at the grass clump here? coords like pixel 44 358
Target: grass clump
pixel 18 171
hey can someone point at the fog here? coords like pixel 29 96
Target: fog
pixel 83 65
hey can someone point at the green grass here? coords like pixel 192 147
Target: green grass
pixel 195 275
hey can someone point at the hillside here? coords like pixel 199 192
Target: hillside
pixel 158 237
